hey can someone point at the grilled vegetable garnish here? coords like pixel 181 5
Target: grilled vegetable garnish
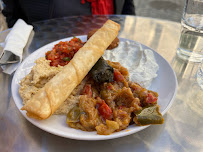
pixel 149 115
pixel 102 71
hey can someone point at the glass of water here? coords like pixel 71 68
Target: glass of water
pixel 200 75
pixel 191 39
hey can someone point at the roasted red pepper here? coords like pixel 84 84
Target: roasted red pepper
pixel 150 98
pixel 104 110
pixel 87 90
pixel 118 76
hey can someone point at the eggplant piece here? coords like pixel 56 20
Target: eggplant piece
pixel 149 115
pixel 102 71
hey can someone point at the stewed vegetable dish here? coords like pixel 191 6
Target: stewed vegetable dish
pixel 113 105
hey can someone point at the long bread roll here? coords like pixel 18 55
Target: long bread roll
pixel 45 102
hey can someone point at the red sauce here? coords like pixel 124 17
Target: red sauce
pixel 63 52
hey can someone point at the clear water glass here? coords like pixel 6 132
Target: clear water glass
pixel 191 39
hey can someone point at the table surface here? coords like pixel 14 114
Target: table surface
pixel 182 129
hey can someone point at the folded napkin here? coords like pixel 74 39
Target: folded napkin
pixel 14 45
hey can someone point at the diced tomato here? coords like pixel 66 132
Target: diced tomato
pixel 62 50
pixel 118 76
pixel 109 87
pixel 87 90
pixel 104 110
pixel 150 98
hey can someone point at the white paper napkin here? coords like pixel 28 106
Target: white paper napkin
pixel 15 43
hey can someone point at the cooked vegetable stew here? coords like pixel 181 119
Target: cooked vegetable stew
pixel 112 104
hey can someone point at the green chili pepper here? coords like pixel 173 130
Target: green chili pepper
pixel 149 115
pixel 74 115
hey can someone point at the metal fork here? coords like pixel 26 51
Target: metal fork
pixel 8 62
pixel 12 59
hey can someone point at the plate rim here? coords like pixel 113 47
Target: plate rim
pixel 98 137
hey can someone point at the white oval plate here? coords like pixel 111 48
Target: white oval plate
pixel 165 84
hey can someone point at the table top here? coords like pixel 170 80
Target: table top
pixel 182 129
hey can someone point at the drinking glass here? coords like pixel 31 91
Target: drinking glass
pixel 191 39
pixel 200 75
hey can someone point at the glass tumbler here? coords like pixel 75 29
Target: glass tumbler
pixel 191 39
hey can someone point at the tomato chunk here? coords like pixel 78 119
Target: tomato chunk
pixel 118 76
pixel 87 90
pixel 150 98
pixel 104 110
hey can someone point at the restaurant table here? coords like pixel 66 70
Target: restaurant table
pixel 182 129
